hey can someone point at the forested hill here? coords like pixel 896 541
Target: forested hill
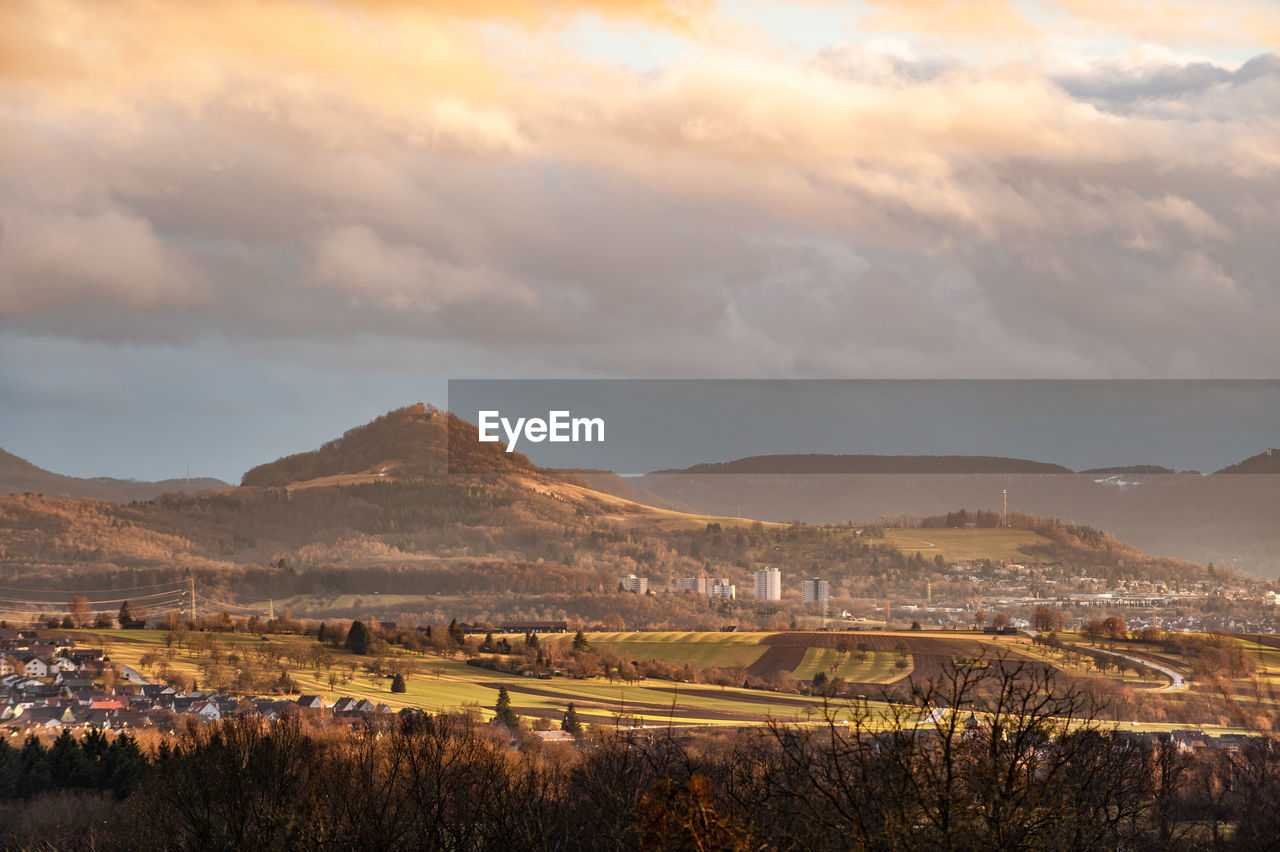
pixel 1267 461
pixel 19 476
pixel 839 463
pixel 407 443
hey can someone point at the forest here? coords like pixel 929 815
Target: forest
pixel 1024 765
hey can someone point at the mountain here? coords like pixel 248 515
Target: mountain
pixel 848 464
pixel 382 511
pixel 382 491
pixel 418 441
pixel 19 476
pixel 1267 461
pixel 1195 518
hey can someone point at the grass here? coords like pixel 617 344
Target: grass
pixel 442 684
pixel 697 650
pixel 961 545
pixel 876 667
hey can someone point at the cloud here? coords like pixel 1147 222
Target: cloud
pixel 55 259
pixel 353 260
pixel 375 176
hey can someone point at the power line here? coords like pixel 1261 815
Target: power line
pixel 4 588
pixel 66 601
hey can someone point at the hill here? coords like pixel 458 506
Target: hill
pixel 19 476
pixel 1194 518
pixel 380 512
pixel 418 441
pixel 1267 461
pixel 810 463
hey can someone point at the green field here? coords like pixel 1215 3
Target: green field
pixel 877 667
pixel 959 545
pixel 445 684
pixel 699 650
pixel 442 684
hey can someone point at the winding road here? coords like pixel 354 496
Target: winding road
pixel 1177 682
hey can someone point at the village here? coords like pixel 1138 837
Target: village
pixel 50 684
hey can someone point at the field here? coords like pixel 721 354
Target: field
pixel 960 545
pixel 698 650
pixel 875 667
pixel 442 684
pixel 867 661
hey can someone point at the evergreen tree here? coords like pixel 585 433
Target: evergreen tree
pixel 531 640
pixel 456 636
pixel 503 712
pixel 397 683
pixel 580 643
pixel 126 614
pixel 570 722
pixel 358 638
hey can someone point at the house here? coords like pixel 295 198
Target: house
pixel 311 702
pixel 8 665
pixel 206 709
pixel 534 626
pixel 554 736
pixel 34 666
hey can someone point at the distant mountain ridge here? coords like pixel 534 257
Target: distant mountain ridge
pixel 19 476
pixel 1267 461
pixel 1134 468
pixel 855 463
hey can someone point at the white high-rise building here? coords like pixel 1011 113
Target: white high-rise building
pixel 632 583
pixel 724 589
pixel 769 585
pixel 698 585
pixel 816 591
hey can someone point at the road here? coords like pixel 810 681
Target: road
pixel 1176 683
pixel 131 674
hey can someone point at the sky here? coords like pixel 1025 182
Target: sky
pixel 232 230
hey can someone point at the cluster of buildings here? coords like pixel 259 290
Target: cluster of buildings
pixel 50 684
pixel 767 585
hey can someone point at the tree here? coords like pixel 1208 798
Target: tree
pixel 79 610
pixel 1115 628
pixel 397 683
pixel 570 723
pixel 502 711
pixel 456 636
pixel 358 638
pixel 580 643
pixel 1045 619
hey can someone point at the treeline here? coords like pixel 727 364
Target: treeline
pixel 1025 769
pixel 90 763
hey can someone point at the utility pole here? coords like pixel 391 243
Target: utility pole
pixel 1004 514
